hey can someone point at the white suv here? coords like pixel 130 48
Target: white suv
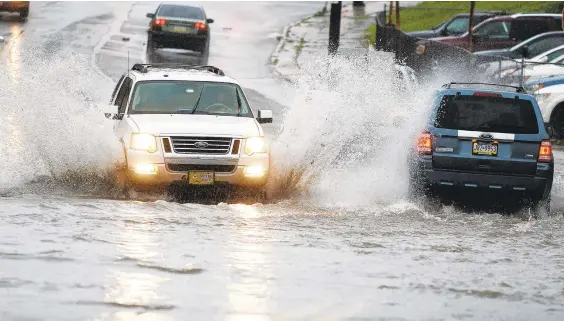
pixel 188 123
pixel 551 103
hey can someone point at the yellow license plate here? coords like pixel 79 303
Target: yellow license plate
pixel 201 178
pixel 180 29
pixel 484 148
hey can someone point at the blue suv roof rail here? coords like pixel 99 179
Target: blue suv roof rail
pixel 144 68
pixel 518 89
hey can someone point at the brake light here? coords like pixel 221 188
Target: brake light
pixel 159 22
pixel 424 143
pixel 200 26
pixel 483 94
pixel 545 151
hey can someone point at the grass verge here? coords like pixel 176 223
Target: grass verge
pixel 428 14
pixel 300 46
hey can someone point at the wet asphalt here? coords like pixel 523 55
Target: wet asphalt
pixel 67 254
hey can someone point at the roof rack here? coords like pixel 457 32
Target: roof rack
pixel 144 68
pixel 518 89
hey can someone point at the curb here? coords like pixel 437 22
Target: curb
pixel 279 47
pixel 285 32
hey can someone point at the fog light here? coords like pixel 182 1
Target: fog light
pixel 254 171
pixel 145 169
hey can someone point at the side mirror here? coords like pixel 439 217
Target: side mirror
pixel 549 130
pixel 209 20
pixel 525 51
pixel 443 32
pixel 150 15
pixel 110 112
pixel 264 116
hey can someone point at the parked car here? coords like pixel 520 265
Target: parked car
pixel 551 103
pixel 509 66
pixel 529 48
pixel 537 84
pixel 533 72
pixel 455 26
pixel 505 31
pixel 21 7
pixel 179 26
pixel 191 125
pixel 493 142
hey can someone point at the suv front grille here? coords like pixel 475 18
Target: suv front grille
pixel 194 167
pixel 201 145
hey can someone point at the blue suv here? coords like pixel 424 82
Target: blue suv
pixel 487 141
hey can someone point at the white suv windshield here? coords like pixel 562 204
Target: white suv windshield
pixel 185 97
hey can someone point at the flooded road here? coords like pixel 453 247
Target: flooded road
pixel 79 259
pixel 348 248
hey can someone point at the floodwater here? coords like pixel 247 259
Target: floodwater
pixel 336 241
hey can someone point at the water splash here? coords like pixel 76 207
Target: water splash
pixel 347 135
pixel 51 126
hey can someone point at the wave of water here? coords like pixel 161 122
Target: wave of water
pixel 51 126
pixel 339 143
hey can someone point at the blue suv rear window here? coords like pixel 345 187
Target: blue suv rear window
pixel 487 114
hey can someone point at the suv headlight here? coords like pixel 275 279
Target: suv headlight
pixel 255 145
pixel 146 142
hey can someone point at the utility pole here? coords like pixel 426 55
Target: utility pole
pixel 391 11
pixel 470 26
pixel 334 27
pixel 397 15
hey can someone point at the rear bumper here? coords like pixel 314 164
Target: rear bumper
pixel 445 179
pixel 537 183
pixel 178 41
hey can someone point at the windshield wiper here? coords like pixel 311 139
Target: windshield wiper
pixel 197 101
pixel 238 103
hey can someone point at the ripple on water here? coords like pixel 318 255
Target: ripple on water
pixel 39 256
pixel 129 305
pixel 12 283
pixel 184 270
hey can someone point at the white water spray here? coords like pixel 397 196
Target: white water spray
pixel 339 141
pixel 50 124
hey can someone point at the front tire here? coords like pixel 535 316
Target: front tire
pixel 249 195
pixel 557 121
pixel 151 51
pixel 24 14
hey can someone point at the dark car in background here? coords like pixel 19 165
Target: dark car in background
pixel 455 26
pixel 529 48
pixel 505 31
pixel 21 7
pixel 179 26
